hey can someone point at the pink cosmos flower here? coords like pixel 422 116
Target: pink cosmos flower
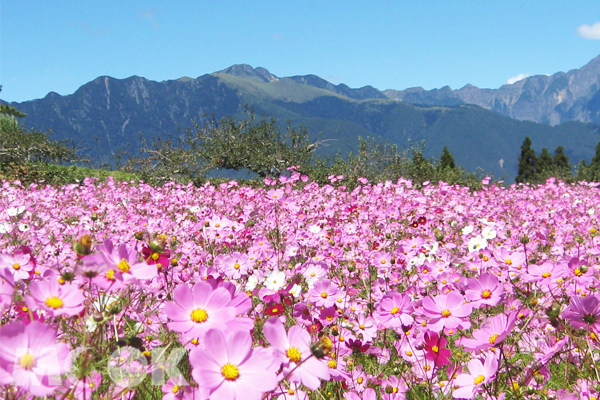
pixel 323 293
pixel 293 350
pixel 394 311
pixel 7 288
pixel 124 262
pixel 446 311
pixel 492 332
pixel 435 349
pixel 54 298
pixel 20 264
pixel 30 357
pixel 234 265
pixel 230 369
pixel 479 374
pixel 584 313
pixel 485 289
pixel 195 311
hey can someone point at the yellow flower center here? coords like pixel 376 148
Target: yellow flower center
pixel 16 266
pixel 54 302
pixel 27 361
pixel 294 354
pixel 110 275
pixel 332 364
pixel 577 272
pixel 409 353
pixel 446 313
pixel 324 295
pixel 394 310
pixel 435 349
pixel 486 294
pixel 493 338
pixel 199 315
pixel 123 265
pixel 155 256
pixel 175 389
pixel 546 275
pixel 236 266
pixel 230 372
pixel 479 379
pixel 360 380
pixel 508 262
pixel 383 261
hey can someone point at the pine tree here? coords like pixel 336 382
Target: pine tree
pixel 544 163
pixel 562 164
pixel 446 160
pixel 526 162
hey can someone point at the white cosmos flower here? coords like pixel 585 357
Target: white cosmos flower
pixel 24 227
pixel 467 229
pixel 275 280
pixel 486 222
pixel 477 243
pixel 251 283
pixel 14 211
pixel 488 233
pixel 591 211
pixel 314 228
pixel 194 209
pixel 296 290
pixel 5 227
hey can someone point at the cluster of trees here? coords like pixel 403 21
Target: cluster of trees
pixel 536 169
pixel 258 145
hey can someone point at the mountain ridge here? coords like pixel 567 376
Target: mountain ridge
pixel 106 114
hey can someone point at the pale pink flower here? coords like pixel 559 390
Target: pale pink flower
pixel 196 310
pixel 54 298
pixel 479 374
pixel 30 357
pixel 323 293
pixel 485 289
pixel 19 264
pixel 293 350
pixel 491 333
pixel 230 369
pixel 394 311
pixel 447 311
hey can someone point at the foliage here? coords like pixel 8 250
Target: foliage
pixel 527 161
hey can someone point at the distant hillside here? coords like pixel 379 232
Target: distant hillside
pixel 106 114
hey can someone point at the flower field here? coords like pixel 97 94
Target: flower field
pixel 121 290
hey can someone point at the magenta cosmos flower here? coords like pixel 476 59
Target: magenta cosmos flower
pixel 7 289
pixel 435 349
pixel 394 310
pixel 492 333
pixel 196 310
pixel 446 311
pixel 54 298
pixel 584 313
pixel 31 359
pixel 230 369
pixel 293 350
pixel 479 374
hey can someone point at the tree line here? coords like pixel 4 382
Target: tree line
pixel 537 168
pixel 259 146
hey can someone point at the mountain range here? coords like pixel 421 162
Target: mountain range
pixel 481 127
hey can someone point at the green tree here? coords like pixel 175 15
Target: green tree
pixel 446 160
pixel 561 164
pixel 544 163
pixel 527 160
pixel 5 109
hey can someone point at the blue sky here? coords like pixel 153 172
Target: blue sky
pixel 60 45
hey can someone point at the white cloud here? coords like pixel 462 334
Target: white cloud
pixel 590 32
pixel 516 78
